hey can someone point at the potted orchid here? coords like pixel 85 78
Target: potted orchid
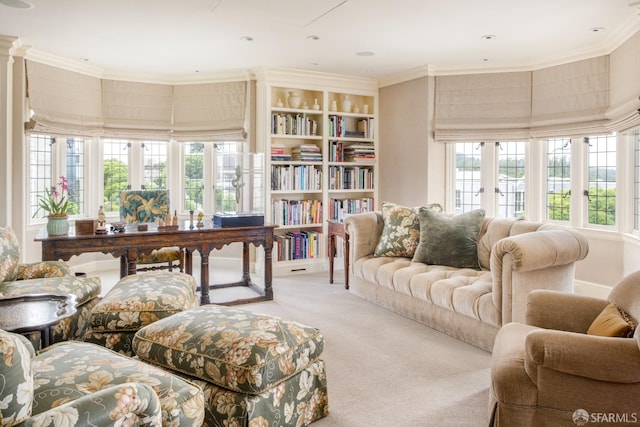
pixel 57 205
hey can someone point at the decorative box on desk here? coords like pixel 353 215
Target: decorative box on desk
pixel 86 226
pixel 238 220
pixel 239 190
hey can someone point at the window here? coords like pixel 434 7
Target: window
pixel 45 173
pixel 40 169
pixel 194 176
pixel 154 158
pixel 558 200
pixel 467 179
pixel 116 171
pixel 601 185
pixel 226 182
pixel 511 179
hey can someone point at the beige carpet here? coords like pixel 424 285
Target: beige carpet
pixel 383 369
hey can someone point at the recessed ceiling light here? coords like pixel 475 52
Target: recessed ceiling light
pixel 18 4
pixel 365 53
pixel 597 29
pixel 489 36
pixel 247 38
pixel 313 38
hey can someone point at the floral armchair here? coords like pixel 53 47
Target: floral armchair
pixel 82 384
pixel 143 206
pixel 47 277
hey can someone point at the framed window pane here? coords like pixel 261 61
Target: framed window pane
pixel 40 170
pixel 194 176
pixel 75 174
pixel 116 172
pixel 468 184
pixel 558 179
pixel 602 179
pixel 154 157
pixel 511 182
pixel 226 162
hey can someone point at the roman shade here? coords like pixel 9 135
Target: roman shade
pixel 624 99
pixel 210 111
pixel 62 101
pixel 570 98
pixel 473 106
pixel 132 109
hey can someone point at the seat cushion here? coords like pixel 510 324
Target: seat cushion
pixel 234 349
pixel 140 299
pixel 71 370
pixel 161 255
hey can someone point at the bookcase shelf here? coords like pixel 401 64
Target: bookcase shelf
pixel 290 137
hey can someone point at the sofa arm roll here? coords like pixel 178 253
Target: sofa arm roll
pixel 608 359
pixel 541 249
pixel 562 311
pixel 364 232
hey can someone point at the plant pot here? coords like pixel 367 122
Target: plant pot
pixel 58 225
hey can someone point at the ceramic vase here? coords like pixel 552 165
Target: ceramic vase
pixel 58 225
pixel 346 104
pixel 294 99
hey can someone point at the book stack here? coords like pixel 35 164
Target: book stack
pixel 307 153
pixel 297 245
pixel 278 153
pixel 361 153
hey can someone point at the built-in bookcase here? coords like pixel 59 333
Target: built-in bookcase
pixel 321 160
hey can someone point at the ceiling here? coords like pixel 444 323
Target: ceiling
pixel 369 38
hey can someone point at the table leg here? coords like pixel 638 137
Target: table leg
pixel 132 257
pixel 204 278
pixel 46 336
pixel 331 242
pixel 268 291
pixel 123 266
pixel 246 276
pixel 346 260
pixel 188 261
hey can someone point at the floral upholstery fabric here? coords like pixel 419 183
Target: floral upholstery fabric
pixel 16 394
pixel 43 270
pixel 136 301
pixel 74 370
pixel 139 206
pixel 298 401
pixel 9 254
pixel 235 349
pixel 401 231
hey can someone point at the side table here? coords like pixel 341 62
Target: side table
pixel 32 313
pixel 336 229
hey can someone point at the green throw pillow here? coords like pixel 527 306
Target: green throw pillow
pixel 449 240
pixel 401 231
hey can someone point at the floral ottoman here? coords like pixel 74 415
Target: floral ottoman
pixel 254 369
pixel 136 301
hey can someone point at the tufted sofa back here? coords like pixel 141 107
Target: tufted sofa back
pixel 495 229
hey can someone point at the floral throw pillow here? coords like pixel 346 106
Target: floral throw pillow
pixel 17 379
pixel 401 232
pixel 9 254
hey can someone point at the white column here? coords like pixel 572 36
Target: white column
pixel 7 47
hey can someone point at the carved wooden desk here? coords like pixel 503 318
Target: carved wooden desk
pixel 130 244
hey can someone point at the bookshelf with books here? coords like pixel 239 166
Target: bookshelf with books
pixel 322 160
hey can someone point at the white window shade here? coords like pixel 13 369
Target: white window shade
pixel 211 111
pixel 570 98
pixel 134 109
pixel 476 106
pixel 63 102
pixel 624 100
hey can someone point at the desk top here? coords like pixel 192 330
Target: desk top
pixel 132 229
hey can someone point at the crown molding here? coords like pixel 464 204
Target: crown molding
pixel 311 79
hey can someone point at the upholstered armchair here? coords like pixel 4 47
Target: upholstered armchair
pixel 48 277
pixel 144 206
pixel 82 384
pixel 576 361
